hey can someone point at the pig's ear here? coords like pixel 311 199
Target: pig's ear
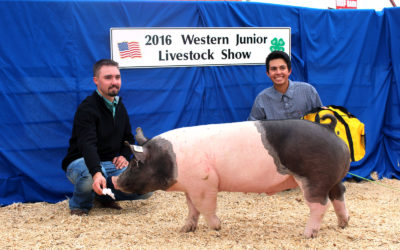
pixel 141 154
pixel 139 137
pixel 128 145
pixel 139 151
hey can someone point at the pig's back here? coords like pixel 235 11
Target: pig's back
pixel 234 152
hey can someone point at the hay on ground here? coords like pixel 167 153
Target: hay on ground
pixel 249 221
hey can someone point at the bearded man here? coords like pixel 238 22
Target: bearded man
pixel 96 148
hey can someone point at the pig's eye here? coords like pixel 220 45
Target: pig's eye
pixel 135 163
pixel 138 164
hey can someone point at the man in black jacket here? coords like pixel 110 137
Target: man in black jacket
pixel 96 148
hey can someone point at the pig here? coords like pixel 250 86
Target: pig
pixel 250 156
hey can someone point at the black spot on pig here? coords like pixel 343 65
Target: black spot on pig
pixel 309 151
pixel 150 170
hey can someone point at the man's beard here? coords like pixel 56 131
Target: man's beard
pixel 113 91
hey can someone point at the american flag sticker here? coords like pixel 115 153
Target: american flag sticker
pixel 129 49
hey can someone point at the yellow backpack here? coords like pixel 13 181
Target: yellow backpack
pixel 348 128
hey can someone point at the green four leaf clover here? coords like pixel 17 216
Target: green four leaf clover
pixel 277 44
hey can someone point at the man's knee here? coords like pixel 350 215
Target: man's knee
pixel 84 184
pixel 79 175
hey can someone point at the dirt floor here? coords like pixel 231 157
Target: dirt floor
pixel 249 221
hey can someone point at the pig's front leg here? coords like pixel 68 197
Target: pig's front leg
pixel 193 217
pixel 206 203
pixel 208 209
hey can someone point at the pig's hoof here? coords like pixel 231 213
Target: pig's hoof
pixel 311 233
pixel 214 223
pixel 343 222
pixel 188 228
pixel 216 227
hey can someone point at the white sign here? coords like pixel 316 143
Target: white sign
pixel 187 47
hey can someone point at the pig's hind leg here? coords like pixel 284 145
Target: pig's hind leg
pixel 317 201
pixel 336 195
pixel 317 212
pixel 192 218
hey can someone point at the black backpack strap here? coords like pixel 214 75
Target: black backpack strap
pixel 343 109
pixel 346 127
pixel 314 110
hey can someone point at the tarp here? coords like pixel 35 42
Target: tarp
pixel 47 50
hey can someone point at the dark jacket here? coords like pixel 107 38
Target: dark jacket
pixel 96 135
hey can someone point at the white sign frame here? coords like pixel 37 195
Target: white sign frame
pixel 192 47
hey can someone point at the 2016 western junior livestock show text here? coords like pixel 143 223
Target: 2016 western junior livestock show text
pixel 166 55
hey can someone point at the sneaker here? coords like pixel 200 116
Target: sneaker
pixel 79 212
pixel 111 204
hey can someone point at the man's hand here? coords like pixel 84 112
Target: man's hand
pixel 120 162
pixel 99 182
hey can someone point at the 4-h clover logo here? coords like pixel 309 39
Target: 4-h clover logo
pixel 277 44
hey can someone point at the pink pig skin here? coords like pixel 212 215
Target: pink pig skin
pixel 229 162
pixel 236 157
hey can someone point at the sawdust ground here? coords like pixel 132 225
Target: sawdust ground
pixel 249 221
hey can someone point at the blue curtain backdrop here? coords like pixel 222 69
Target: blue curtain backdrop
pixel 47 50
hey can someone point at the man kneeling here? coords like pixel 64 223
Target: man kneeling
pixel 96 150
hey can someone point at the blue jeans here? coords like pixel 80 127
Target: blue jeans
pixel 83 195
